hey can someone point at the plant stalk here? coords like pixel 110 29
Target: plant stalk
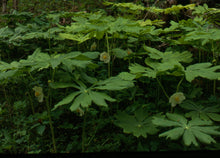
pixel 178 86
pixel 213 58
pixel 161 86
pixel 108 51
pixel 51 125
pixel 84 132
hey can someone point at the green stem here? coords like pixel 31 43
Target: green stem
pixel 108 51
pixel 213 56
pixel 178 86
pixel 50 122
pixel 48 102
pixel 161 86
pixel 84 132
pixel 32 105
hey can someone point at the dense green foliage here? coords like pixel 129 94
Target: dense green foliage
pixel 116 77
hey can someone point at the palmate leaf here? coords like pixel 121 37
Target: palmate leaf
pixel 192 131
pixel 157 68
pixel 169 56
pixel 114 83
pixel 205 36
pixel 66 100
pixel 173 134
pixel 142 71
pixel 162 63
pixel 5 75
pixel 131 6
pixel 172 67
pixel 80 38
pixel 202 70
pixel 126 76
pixel 177 8
pixel 39 60
pixel 83 100
pixel 204 113
pixel 84 97
pixel 139 124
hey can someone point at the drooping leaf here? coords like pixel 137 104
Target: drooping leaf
pixel 153 53
pixel 77 101
pixel 202 70
pixel 99 98
pixel 80 38
pixel 141 70
pixel 66 100
pixel 127 76
pixel 169 56
pixel 173 134
pixel 114 83
pixel 56 85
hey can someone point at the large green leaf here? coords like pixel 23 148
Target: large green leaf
pixel 56 85
pixel 171 67
pixel 85 96
pixel 114 83
pixel 141 70
pixel 173 134
pixel 79 101
pixel 169 56
pixel 192 131
pixel 80 38
pixel 153 53
pixel 138 124
pixel 66 100
pixel 202 70
pixel 204 113
pixel 127 76
pixel 99 98
pixel 167 63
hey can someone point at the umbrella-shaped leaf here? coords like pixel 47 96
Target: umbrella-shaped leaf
pixel 173 134
pixel 127 76
pixel 191 131
pixel 114 83
pixel 204 113
pixel 189 138
pixel 138 124
pixel 66 100
pixel 202 70
pixel 99 98
pixel 144 71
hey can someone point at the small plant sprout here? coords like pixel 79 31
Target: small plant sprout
pixel 176 98
pixel 105 57
pixel 38 93
pixel 93 46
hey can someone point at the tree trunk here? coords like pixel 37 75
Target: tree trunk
pixel 15 4
pixel 4 6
